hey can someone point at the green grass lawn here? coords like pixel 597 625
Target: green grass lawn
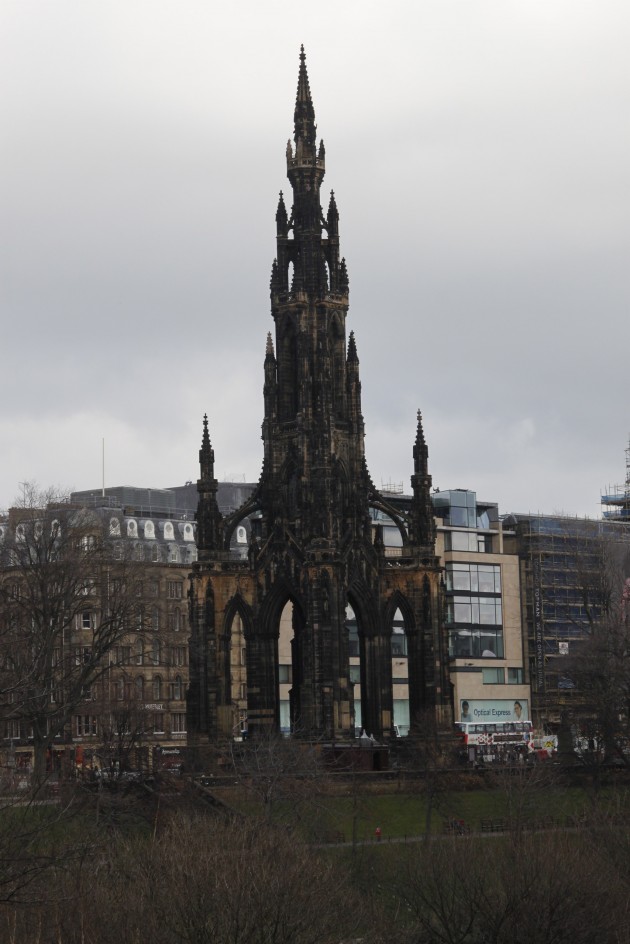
pixel 356 815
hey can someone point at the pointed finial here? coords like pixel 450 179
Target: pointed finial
pixel 269 350
pixel 205 438
pixel 274 281
pixel 352 349
pixel 420 451
pixel 420 447
pixel 344 282
pixel 281 212
pixel 206 453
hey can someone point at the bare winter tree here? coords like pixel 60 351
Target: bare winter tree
pixel 281 773
pixel 66 600
pixel 123 725
pixel 555 888
pixel 198 881
pixel 600 666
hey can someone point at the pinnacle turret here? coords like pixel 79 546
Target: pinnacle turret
pixel 422 521
pixel 332 220
pixel 420 451
pixel 206 453
pixel 352 350
pixel 282 220
pixel 209 518
pixel 343 281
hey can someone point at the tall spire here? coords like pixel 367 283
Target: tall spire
pixel 422 520
pixel 304 116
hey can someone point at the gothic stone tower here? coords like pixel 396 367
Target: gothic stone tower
pixel 316 545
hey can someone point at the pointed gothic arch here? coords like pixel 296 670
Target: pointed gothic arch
pixel 287 355
pixel 399 601
pixel 237 626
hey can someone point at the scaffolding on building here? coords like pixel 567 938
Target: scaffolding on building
pixel 616 500
pixel 561 561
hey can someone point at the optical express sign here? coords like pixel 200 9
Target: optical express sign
pixel 489 711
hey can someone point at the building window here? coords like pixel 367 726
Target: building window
pixel 87 543
pixel 355 674
pixel 85 725
pixel 139 683
pixel 158 722
pixel 493 676
pixel 486 611
pixel 155 652
pixel 140 652
pixel 174 621
pixel 470 642
pixel 155 619
pixel 123 655
pixel 285 673
pixel 13 730
pixel 178 655
pixel 353 641
pixel 515 676
pixel 460 541
pixel 82 655
pixel 399 642
pixel 474 578
pixel 157 688
pixel 178 722
pixel 176 686
pixel 473 601
pixel 87 620
pixel 175 589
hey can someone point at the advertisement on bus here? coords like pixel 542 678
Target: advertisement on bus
pixel 493 711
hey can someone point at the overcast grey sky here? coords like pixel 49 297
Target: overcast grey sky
pixel 480 157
